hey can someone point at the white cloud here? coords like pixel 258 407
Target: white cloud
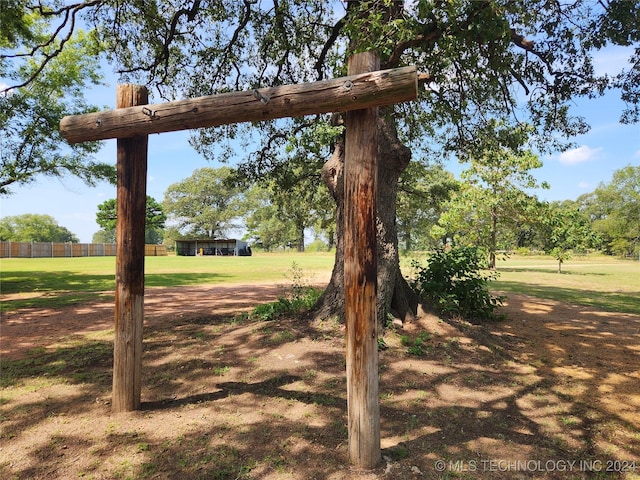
pixel 637 154
pixel 584 185
pixel 579 155
pixel 611 60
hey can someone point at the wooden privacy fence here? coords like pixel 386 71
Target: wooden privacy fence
pixel 53 249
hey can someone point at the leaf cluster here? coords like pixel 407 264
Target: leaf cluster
pixel 45 76
pixel 34 228
pixel 454 281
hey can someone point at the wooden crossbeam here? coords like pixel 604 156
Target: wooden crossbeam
pixel 354 92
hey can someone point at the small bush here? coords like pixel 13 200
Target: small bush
pixel 301 298
pixel 456 283
pixel 316 246
pixel 272 310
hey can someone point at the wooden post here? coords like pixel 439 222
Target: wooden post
pixel 130 226
pixel 360 276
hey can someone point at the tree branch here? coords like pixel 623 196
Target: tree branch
pixel 191 15
pixel 396 54
pixel 335 33
pixel 522 42
pixel 68 11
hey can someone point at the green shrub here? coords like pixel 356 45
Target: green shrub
pixel 456 283
pixel 415 346
pixel 316 246
pixel 272 310
pixel 301 297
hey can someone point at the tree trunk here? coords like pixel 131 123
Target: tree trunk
pixel 300 239
pixel 394 294
pixel 493 239
pixel 331 240
pixel 408 242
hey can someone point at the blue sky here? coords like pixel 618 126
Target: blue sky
pixel 608 147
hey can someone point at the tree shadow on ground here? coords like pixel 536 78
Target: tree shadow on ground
pixel 611 301
pixel 227 397
pixel 565 271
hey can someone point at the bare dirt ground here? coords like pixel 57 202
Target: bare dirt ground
pixel 553 392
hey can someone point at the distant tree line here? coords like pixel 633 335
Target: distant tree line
pixel 34 228
pixel 488 207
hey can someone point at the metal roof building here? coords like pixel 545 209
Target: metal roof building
pixel 208 246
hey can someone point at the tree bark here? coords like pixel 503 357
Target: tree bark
pixel 300 239
pixel 493 239
pixel 394 294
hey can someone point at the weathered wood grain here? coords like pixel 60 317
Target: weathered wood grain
pixel 130 226
pixel 338 95
pixel 360 277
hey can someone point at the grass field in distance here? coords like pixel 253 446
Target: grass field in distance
pixel 598 281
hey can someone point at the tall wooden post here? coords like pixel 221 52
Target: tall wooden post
pixel 130 226
pixel 360 276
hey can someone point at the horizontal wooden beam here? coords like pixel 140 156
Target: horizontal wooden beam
pixel 354 92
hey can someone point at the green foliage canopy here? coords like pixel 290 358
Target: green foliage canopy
pixel 206 204
pixel 423 191
pixel 106 218
pixel 482 60
pixel 34 228
pixel 614 208
pixel 265 226
pixel 42 79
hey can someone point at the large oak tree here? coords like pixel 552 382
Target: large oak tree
pixel 519 62
pixel 203 205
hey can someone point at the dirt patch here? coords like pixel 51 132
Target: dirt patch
pixel 33 328
pixel 551 393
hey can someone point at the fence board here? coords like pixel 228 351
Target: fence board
pixel 52 249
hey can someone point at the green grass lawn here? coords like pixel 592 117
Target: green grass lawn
pixel 65 281
pixel 598 281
